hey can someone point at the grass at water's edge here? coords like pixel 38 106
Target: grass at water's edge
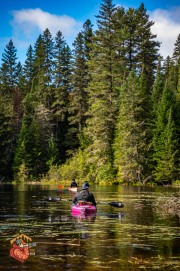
pixel 80 182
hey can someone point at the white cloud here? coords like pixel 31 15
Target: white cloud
pixel 29 23
pixel 167 28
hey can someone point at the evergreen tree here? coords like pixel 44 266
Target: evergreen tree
pixel 88 37
pixel 59 56
pixel 128 34
pixel 176 58
pixel 28 70
pixel 62 88
pixel 147 47
pixel 123 42
pixel 32 149
pixel 80 81
pixel 176 51
pixel 48 57
pixel 22 165
pixel 48 66
pixel 78 101
pixel 39 53
pixel 8 73
pixel 39 70
pixel 103 96
pixel 6 135
pixel 52 152
pixel 132 141
pixel 165 139
pixel 157 90
pixel 17 113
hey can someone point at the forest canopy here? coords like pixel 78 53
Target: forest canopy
pixel 107 109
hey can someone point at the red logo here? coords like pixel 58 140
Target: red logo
pixel 21 247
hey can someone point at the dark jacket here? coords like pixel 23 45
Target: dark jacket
pixel 73 184
pixel 84 195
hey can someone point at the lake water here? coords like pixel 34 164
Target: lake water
pixel 136 237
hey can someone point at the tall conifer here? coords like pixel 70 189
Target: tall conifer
pixel 28 70
pixel 132 141
pixel 165 139
pixel 103 95
pixel 61 90
pixel 8 72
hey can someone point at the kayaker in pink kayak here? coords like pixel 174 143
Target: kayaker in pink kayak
pixel 73 183
pixel 84 195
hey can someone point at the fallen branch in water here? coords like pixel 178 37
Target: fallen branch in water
pixel 168 205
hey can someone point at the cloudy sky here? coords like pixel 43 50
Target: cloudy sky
pixel 23 20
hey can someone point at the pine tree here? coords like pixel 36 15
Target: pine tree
pixel 78 101
pixel 82 48
pixel 132 141
pixel 88 37
pixel 8 73
pixel 147 47
pixel 52 152
pixel 39 70
pixel 176 58
pixel 31 156
pixel 103 96
pixel 61 90
pixel 39 55
pixel 176 51
pixel 165 138
pixel 166 151
pixel 48 57
pixel 59 55
pixel 28 70
pixel 6 135
pixel 157 89
pixel 128 35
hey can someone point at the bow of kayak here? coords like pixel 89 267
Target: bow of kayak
pixel 73 189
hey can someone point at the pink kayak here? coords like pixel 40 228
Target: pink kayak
pixel 73 189
pixel 83 209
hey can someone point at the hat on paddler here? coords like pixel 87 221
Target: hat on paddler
pixel 85 186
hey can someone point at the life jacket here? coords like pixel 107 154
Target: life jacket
pixel 84 195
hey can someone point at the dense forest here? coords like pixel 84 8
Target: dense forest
pixel 108 109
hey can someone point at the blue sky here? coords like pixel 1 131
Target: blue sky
pixel 23 20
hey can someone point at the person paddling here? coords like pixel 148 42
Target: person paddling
pixel 84 195
pixel 73 183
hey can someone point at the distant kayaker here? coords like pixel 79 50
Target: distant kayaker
pixel 85 195
pixel 73 183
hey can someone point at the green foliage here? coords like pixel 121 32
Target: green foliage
pixel 9 72
pixel 52 152
pixel 95 112
pixel 74 167
pixel 23 173
pixel 164 139
pixel 6 136
pixel 105 174
pixel 102 93
pixel 131 141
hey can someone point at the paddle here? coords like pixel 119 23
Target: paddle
pixel 117 204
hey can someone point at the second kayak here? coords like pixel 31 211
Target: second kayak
pixel 73 189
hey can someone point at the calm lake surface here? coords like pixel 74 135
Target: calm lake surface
pixel 136 237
